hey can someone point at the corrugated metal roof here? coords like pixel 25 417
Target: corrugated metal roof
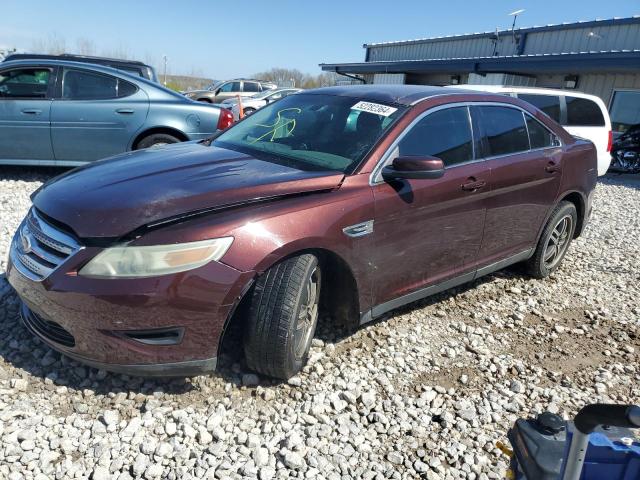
pixel 549 27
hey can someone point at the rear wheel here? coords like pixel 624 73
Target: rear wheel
pixel 554 241
pixel 156 140
pixel 283 316
pixel 248 111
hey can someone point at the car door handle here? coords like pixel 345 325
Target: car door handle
pixel 31 111
pixel 552 167
pixel 473 185
pixel 125 111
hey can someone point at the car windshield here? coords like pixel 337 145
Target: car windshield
pixel 322 132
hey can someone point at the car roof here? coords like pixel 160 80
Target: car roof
pixel 399 94
pixel 530 90
pixel 90 66
pixel 243 79
pixel 73 57
pixel 70 63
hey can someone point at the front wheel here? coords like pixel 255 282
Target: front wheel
pixel 554 241
pixel 283 316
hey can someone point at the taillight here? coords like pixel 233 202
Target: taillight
pixel 610 142
pixel 225 120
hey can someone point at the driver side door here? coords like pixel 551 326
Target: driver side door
pixel 428 231
pixel 227 90
pixel 25 114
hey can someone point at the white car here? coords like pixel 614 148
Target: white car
pixel 259 100
pixel 582 115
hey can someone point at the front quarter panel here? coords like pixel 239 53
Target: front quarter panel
pixel 265 233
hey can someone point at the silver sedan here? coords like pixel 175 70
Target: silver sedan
pixel 257 101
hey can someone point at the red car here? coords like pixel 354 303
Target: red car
pixel 352 200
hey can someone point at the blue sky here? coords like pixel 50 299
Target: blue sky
pixel 227 39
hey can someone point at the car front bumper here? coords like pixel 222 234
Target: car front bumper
pixel 120 324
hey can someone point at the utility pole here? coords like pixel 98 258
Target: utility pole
pixel 166 59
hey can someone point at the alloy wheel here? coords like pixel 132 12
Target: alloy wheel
pixel 307 314
pixel 558 242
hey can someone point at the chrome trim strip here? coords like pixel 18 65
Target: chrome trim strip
pixel 38 248
pixel 375 177
pixel 43 163
pixel 359 229
pixel 59 240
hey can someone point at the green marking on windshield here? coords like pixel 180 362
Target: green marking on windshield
pixel 280 123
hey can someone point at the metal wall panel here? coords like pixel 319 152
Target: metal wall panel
pixel 591 38
pixel 611 37
pixel 389 78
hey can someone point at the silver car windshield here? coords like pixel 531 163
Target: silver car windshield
pixel 319 131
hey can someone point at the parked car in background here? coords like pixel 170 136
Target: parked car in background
pixel 55 112
pixel 582 115
pixel 131 67
pixel 220 91
pixel 625 153
pixel 254 102
pixel 140 263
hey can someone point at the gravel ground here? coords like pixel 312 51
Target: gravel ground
pixel 426 392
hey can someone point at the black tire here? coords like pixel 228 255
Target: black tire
pixel 156 140
pixel 274 343
pixel 248 111
pixel 550 251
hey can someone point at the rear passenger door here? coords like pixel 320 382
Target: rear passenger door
pixel 95 115
pixel 526 163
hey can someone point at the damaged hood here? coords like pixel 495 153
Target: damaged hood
pixel 113 197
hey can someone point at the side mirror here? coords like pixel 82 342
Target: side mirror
pixel 417 167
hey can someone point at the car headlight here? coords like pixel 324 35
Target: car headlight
pixel 149 261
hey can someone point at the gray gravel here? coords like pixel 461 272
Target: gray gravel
pixel 425 393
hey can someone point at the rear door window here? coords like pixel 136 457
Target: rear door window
pixel 539 135
pixel 445 134
pixel 582 112
pixel 251 87
pixel 25 83
pixel 504 129
pixel 549 104
pixel 83 85
pixel 125 88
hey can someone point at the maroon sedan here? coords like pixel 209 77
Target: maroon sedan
pixel 352 200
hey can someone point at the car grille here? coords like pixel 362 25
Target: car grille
pixel 38 248
pixel 47 329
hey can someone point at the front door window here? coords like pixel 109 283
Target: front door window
pixel 25 83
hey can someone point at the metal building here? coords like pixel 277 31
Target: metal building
pixel 601 57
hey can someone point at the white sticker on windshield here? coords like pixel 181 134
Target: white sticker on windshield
pixel 376 108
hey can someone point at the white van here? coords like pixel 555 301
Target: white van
pixel 580 114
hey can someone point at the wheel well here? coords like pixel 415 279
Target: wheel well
pixel 169 131
pixel 577 200
pixel 204 99
pixel 338 297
